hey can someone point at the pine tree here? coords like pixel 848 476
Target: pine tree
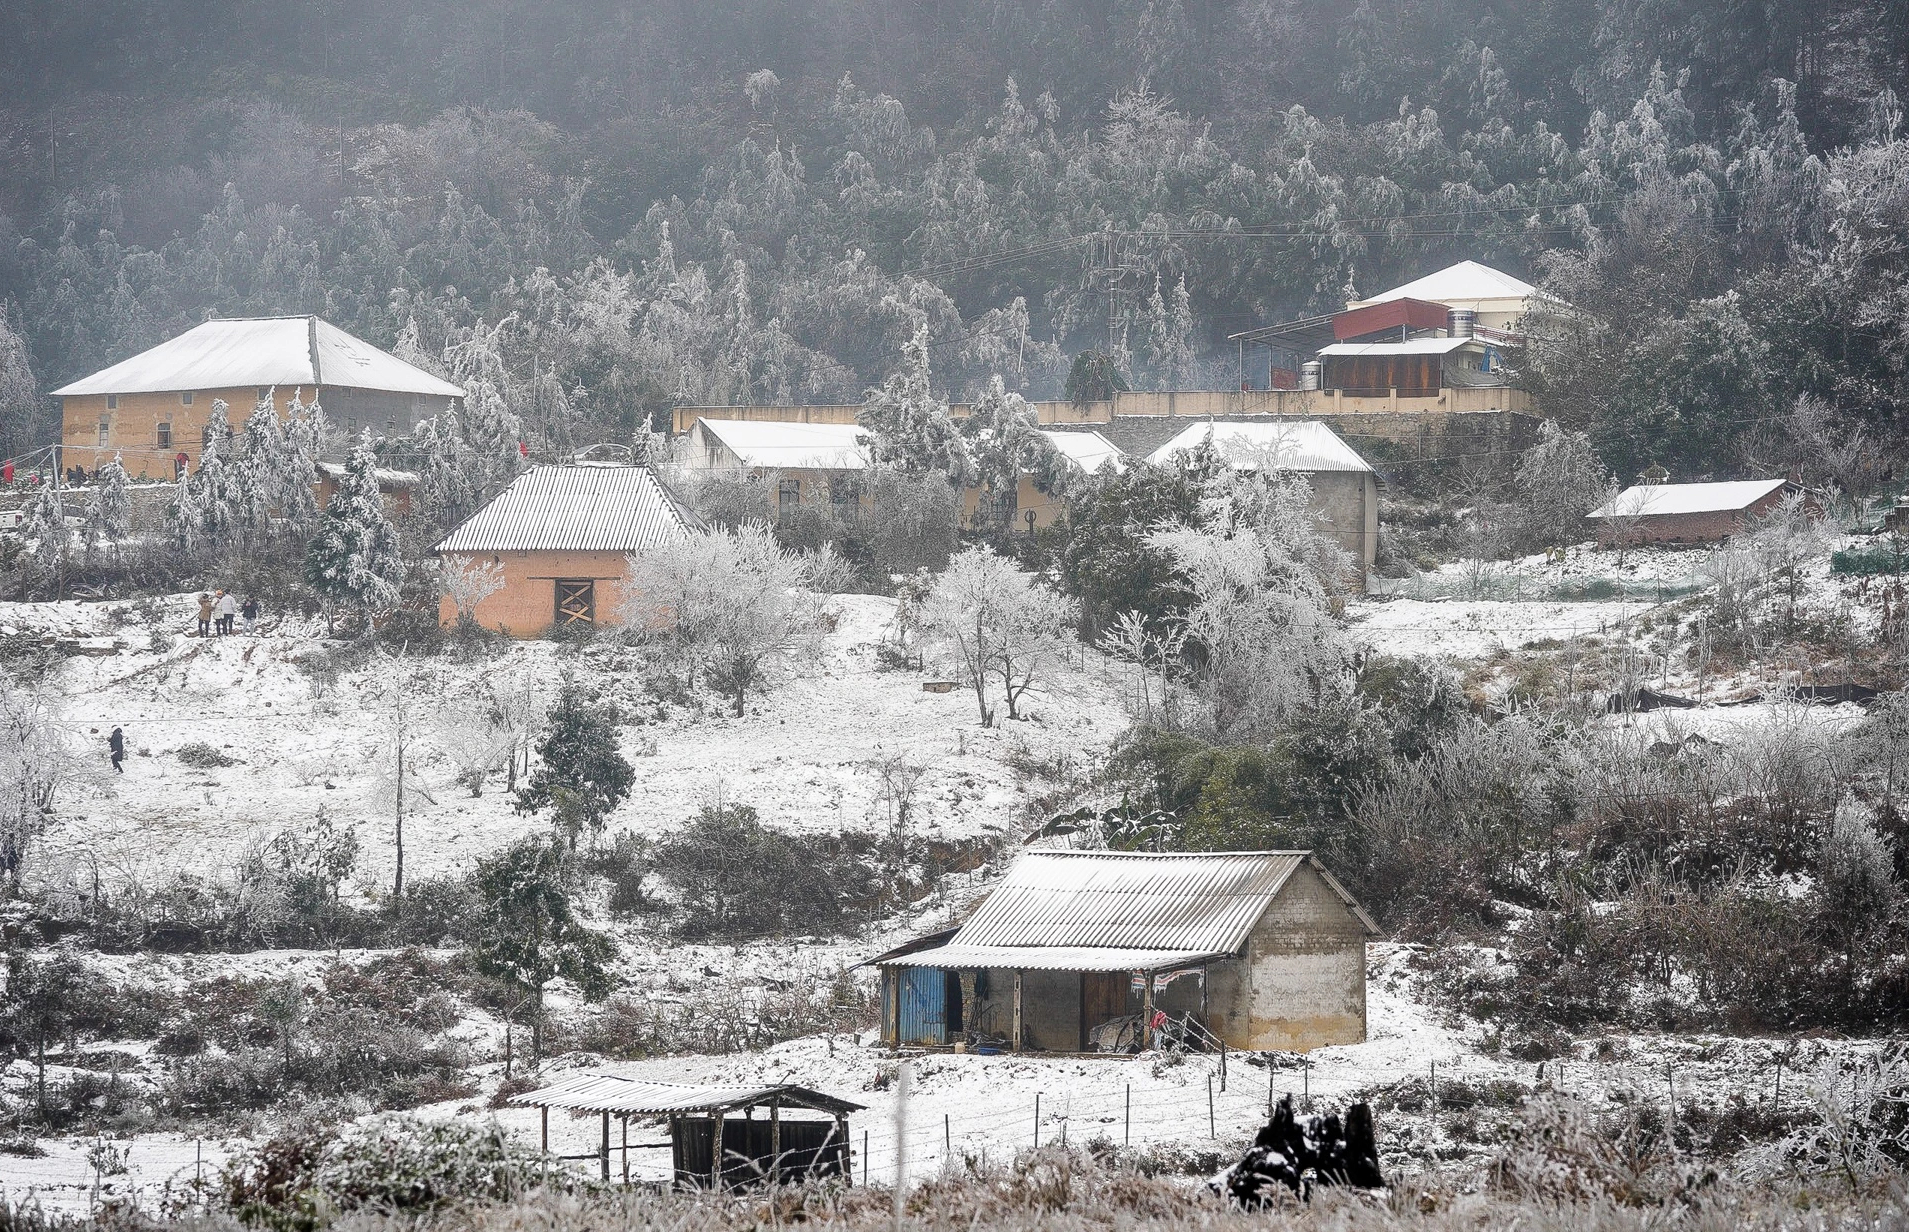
pixel 912 427
pixel 529 932
pixel 583 774
pixel 353 557
pixel 44 522
pixel 109 515
pixel 1004 441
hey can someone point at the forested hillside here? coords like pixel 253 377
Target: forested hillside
pixel 618 207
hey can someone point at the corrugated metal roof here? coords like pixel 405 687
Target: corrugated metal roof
pixel 1411 346
pixel 288 352
pixel 1120 900
pixel 609 1093
pixel 1050 958
pixel 1307 446
pixel 791 446
pixel 1652 500
pixel 1466 282
pixel 583 508
pixel 1088 450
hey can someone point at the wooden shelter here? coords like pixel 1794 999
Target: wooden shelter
pixel 772 1149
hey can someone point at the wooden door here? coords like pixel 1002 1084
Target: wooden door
pixel 1103 997
pixel 576 601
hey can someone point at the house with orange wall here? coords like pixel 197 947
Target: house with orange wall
pixel 556 546
pixel 151 410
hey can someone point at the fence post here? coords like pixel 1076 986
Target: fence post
pixel 1037 1120
pixel 1126 1139
pixel 1212 1130
pixel 864 1162
pixel 1307 1081
pixel 1222 1065
pixel 947 1135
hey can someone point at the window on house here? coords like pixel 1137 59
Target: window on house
pixel 265 391
pixel 576 601
pixel 112 402
pixel 185 399
pixel 163 434
pixel 788 496
pixel 105 430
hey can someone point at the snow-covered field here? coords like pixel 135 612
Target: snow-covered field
pixel 808 755
pixel 805 756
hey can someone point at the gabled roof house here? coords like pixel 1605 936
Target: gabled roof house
pixel 1081 951
pixel 151 409
pixel 558 543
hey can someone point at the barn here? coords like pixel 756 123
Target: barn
pixel 1075 950
pixel 1687 512
pixel 555 546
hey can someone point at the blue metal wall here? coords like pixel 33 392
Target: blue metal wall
pixel 924 1011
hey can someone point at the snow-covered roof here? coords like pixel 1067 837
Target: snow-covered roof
pixel 1463 284
pixel 610 1093
pixel 1658 499
pixel 1088 450
pixel 386 478
pixel 1410 346
pixel 287 352
pixel 792 446
pixel 1117 910
pixel 1308 446
pixel 574 509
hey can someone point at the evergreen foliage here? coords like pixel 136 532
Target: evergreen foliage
pixel 582 774
pixel 529 932
pixel 911 426
pixel 353 556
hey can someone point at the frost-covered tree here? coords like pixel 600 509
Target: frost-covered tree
pixel 110 511
pixel 911 426
pixel 999 623
pixel 43 524
pixel 468 581
pixel 1259 574
pixel 1172 345
pixel 1559 480
pixel 21 414
pixel 1004 442
pixel 353 557
pixel 34 761
pixel 732 604
pixel 582 776
pixel 530 933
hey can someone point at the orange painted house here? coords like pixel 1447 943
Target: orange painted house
pixel 554 547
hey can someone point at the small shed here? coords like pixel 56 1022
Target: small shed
pixel 773 1149
pixel 1083 951
pixel 1687 512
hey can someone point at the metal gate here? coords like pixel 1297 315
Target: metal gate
pixel 924 1006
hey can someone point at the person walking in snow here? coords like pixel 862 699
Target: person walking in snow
pixel 205 615
pixel 251 613
pixel 117 743
pixel 228 612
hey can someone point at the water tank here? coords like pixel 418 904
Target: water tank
pixel 1311 374
pixel 1462 321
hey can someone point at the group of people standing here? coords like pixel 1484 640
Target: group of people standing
pixel 217 612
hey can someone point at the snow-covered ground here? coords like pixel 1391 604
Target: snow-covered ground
pixel 971 1106
pixel 805 756
pixel 808 756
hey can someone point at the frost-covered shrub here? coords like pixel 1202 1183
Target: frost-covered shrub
pixel 305 1180
pixel 202 756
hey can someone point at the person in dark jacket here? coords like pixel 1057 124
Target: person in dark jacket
pixel 117 743
pixel 250 611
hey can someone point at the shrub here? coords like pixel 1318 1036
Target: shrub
pixel 303 1180
pixel 202 756
pixel 738 878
